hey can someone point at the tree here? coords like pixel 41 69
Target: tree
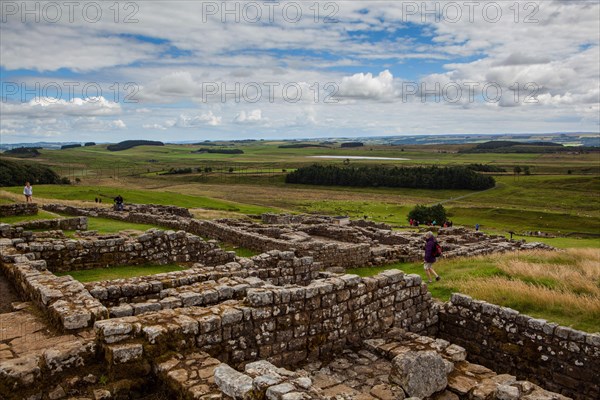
pixel 517 170
pixel 526 170
pixel 424 214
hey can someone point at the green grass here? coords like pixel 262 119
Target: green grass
pixel 107 225
pixel 97 161
pixel 449 269
pixel 562 293
pixel 562 194
pixel 550 200
pixel 162 197
pixel 567 242
pixel 25 218
pixel 239 251
pixel 120 272
pixel 521 220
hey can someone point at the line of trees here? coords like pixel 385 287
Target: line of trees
pixel 17 173
pixel 128 144
pixel 430 177
pixel 24 152
pixel 485 168
pixel 219 151
pixel 70 146
pixel 351 144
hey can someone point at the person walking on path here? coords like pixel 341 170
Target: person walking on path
pixel 476 227
pixel 430 251
pixel 28 192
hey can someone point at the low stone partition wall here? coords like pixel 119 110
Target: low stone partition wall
pixel 560 359
pixel 15 232
pixel 157 209
pixel 237 236
pixel 340 233
pixel 65 300
pixel 66 224
pixel 344 255
pixel 11 210
pixel 154 246
pixel 287 219
pixel 206 293
pixel 285 325
pixel 202 285
pixel 358 244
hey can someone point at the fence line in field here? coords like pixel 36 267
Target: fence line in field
pixel 235 171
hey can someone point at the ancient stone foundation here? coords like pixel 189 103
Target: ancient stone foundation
pixel 67 224
pixel 154 246
pixel 11 210
pixel 275 326
pixel 357 244
pixel 562 359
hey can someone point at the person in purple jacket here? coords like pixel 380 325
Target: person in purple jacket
pixel 430 257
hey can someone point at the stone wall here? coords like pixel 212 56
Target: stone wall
pixel 65 300
pixel 285 325
pixel 15 232
pixel 359 244
pixel 67 224
pixel 156 209
pixel 11 210
pixel 558 358
pixel 154 246
pixel 170 290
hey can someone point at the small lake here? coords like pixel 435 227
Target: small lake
pixel 361 158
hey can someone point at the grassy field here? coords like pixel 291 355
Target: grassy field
pixel 560 197
pixel 96 161
pixel 106 225
pixel 562 287
pixel 26 218
pixel 152 195
pixel 120 272
pixel 239 251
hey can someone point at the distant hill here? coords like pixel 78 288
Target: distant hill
pixel 128 144
pixel 496 144
pixel 507 146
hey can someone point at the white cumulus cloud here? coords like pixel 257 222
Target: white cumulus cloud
pixel 250 117
pixel 367 86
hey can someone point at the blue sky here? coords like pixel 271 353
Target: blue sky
pixel 184 70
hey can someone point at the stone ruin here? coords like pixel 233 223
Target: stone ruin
pixel 275 326
pixel 359 244
pixel 10 210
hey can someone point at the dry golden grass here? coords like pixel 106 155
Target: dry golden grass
pixel 18 198
pixel 561 286
pixel 574 270
pixel 501 290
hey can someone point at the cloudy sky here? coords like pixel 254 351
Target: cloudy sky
pixel 195 70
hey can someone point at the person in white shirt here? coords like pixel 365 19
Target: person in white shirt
pixel 28 192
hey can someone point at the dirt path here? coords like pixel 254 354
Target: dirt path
pixel 7 295
pixel 462 197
